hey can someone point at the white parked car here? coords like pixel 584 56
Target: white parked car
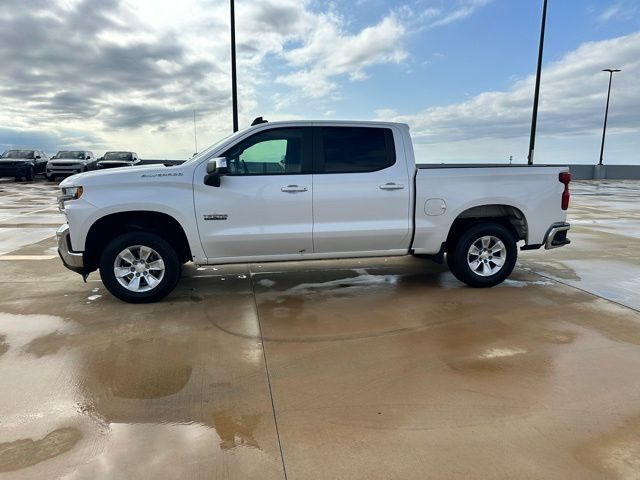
pixel 68 162
pixel 118 159
pixel 307 190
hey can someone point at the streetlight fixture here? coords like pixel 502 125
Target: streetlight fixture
pixel 234 81
pixel 536 97
pixel 606 112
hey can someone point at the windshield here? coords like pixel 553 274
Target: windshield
pixel 204 153
pixel 126 156
pixel 25 154
pixel 74 155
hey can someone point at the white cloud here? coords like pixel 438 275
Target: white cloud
pixel 419 17
pixel 620 10
pixel 610 12
pixel 573 94
pixel 329 52
pixel 464 10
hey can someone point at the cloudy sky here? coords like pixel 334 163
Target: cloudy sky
pixel 129 74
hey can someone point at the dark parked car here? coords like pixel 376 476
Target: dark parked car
pixel 118 159
pixel 70 162
pixel 22 164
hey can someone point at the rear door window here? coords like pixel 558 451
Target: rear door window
pixel 354 149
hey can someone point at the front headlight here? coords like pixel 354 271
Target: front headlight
pixel 73 193
pixel 69 193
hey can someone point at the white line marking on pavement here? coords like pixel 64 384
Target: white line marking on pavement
pixel 27 257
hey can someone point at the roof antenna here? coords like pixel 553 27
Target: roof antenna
pixel 258 121
pixel 195 132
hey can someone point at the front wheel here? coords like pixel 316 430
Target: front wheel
pixel 484 255
pixel 139 267
pixel 31 174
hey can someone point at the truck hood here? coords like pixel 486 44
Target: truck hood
pixel 140 173
pixel 14 161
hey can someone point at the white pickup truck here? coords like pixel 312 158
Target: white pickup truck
pixel 306 190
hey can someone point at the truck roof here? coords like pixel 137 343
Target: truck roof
pixel 332 123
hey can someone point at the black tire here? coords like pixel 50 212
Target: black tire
pixel 460 256
pixel 31 174
pixel 51 178
pixel 168 281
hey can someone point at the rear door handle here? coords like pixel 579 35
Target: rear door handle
pixel 293 189
pixel 391 186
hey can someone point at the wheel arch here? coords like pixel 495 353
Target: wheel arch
pixel 107 227
pixel 508 215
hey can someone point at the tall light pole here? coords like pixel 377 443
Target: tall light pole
pixel 606 112
pixel 536 97
pixel 234 80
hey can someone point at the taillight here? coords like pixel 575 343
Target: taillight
pixel 565 179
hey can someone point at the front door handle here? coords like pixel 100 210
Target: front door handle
pixel 391 186
pixel 293 189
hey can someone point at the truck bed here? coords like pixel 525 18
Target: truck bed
pixel 445 192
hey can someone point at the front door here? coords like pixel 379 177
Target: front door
pixel 263 206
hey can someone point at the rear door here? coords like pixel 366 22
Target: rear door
pixel 263 205
pixel 361 191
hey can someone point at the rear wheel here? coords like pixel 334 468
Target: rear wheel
pixel 484 255
pixel 139 267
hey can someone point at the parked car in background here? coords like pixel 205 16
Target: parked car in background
pixel 118 159
pixel 21 164
pixel 68 162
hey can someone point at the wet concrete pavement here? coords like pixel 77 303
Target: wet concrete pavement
pixel 376 369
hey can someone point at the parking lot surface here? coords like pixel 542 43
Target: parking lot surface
pixel 359 369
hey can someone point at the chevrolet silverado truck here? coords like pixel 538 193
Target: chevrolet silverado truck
pixel 305 190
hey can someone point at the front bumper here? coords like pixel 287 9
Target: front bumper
pixel 74 261
pixel 64 169
pixel 13 171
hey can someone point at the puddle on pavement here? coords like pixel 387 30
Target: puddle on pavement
pixel 156 380
pixel 139 370
pixel 236 431
pixel 26 452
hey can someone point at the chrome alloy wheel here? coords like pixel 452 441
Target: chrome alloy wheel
pixel 486 256
pixel 139 268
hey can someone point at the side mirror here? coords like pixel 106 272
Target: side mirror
pixel 215 169
pixel 218 165
pixel 38 157
pixel 100 159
